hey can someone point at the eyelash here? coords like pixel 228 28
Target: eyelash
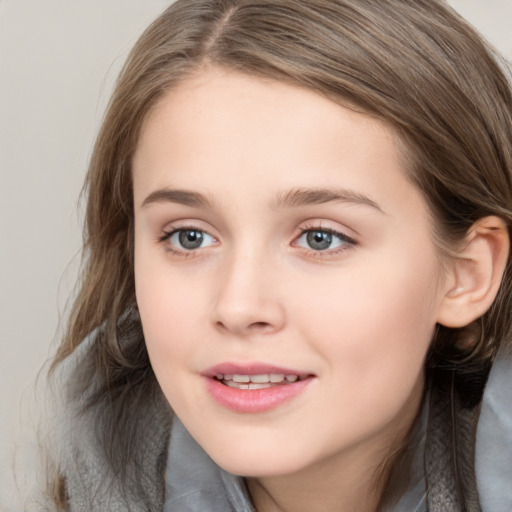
pixel 183 253
pixel 347 242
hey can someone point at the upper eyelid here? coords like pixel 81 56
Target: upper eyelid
pixel 308 225
pixel 167 233
pixel 179 225
pixel 339 234
pixel 320 225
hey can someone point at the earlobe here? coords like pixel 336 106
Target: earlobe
pixel 476 274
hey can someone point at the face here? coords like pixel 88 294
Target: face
pixel 285 273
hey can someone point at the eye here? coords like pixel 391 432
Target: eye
pixel 188 239
pixel 323 240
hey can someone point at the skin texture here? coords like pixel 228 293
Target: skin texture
pixel 357 316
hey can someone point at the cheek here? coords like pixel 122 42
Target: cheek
pixel 169 312
pixel 374 328
pixel 169 315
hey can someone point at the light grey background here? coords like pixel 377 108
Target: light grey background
pixel 58 61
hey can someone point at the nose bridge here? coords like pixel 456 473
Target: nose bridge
pixel 247 299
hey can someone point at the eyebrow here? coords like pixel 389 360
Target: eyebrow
pixel 185 197
pixel 293 198
pixel 311 196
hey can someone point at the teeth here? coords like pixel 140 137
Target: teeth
pixel 259 379
pixel 241 378
pixel 259 386
pixel 251 385
pixel 268 378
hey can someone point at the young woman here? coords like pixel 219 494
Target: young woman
pixel 297 273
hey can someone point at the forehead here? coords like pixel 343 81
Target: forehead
pixel 220 108
pixel 221 131
pixel 203 96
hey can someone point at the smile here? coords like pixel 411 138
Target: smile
pixel 262 381
pixel 255 388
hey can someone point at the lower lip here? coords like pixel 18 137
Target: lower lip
pixel 255 400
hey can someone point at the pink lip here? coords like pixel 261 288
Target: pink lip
pixel 250 369
pixel 254 400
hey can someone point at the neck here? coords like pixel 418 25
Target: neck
pixel 326 489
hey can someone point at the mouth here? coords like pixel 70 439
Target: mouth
pixel 260 381
pixel 255 388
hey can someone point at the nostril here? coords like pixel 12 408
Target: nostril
pixel 251 327
pixel 259 325
pixel 220 325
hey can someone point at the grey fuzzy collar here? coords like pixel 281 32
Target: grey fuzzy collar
pixel 180 477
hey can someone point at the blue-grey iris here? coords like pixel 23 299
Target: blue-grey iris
pixel 319 240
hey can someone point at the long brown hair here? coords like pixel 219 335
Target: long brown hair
pixel 415 65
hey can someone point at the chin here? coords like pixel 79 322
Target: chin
pixel 258 466
pixel 263 458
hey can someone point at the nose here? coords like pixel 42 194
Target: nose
pixel 247 302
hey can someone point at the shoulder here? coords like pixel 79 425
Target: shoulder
pixel 106 467
pixel 494 439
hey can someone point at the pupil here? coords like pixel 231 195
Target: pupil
pixel 319 240
pixel 191 239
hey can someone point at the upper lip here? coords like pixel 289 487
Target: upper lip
pixel 251 369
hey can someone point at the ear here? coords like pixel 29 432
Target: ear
pixel 476 273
